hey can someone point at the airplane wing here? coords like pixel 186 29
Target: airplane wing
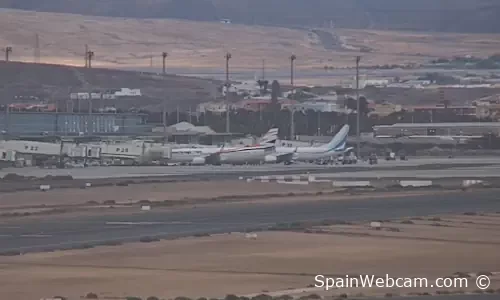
pixel 287 157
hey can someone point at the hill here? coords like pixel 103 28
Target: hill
pixel 120 43
pixel 55 82
pixel 422 15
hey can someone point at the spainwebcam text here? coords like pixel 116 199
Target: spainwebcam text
pixel 372 281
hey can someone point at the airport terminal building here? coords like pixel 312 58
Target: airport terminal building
pixel 72 124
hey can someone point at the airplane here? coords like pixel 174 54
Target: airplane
pixel 249 154
pixel 336 147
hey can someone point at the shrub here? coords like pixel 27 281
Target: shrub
pixel 152 298
pixel 435 219
pixel 443 292
pixel 231 297
pixel 461 275
pixel 483 273
pixel 148 239
pixel 91 296
pixel 470 213
pixel 262 297
pixel 109 202
pixel 314 296
pixel 407 222
pixel 133 298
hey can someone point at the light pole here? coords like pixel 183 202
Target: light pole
pixel 228 57
pixel 358 58
pixel 90 56
pixel 8 51
pixel 292 108
pixel 164 56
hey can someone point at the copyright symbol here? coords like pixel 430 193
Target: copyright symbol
pixel 483 282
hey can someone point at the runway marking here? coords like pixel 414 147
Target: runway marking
pixel 35 235
pixel 25 235
pixel 148 223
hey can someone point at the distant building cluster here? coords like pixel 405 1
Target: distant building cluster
pixel 108 95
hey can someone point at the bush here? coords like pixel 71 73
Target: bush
pixel 461 275
pixel 152 298
pixel 91 296
pixel 343 296
pixel 231 297
pixel 148 239
pixel 133 298
pixel 111 243
pixel 109 202
pixel 435 219
pixel 262 297
pixel 483 273
pixel 470 213
pixel 314 296
pixel 182 298
pixel 443 292
pixel 388 295
pixel 407 222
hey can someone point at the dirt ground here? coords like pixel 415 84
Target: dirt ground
pixel 274 262
pixel 153 192
pixel 132 42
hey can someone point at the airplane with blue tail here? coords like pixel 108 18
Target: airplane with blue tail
pixel 336 147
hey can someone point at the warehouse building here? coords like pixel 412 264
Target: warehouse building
pixel 438 129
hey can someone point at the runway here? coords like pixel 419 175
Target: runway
pixel 66 232
pixel 226 171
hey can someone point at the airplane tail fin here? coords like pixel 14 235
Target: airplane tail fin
pixel 338 142
pixel 270 137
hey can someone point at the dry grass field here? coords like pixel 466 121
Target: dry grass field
pixel 390 47
pixel 120 42
pixel 275 262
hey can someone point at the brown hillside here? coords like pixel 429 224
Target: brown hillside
pixel 55 82
pixel 119 42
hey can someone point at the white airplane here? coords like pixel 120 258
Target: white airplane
pixel 254 154
pixel 336 147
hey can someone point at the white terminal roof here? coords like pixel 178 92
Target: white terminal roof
pixel 458 124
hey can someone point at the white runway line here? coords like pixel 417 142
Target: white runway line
pixel 148 223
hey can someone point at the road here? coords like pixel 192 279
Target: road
pixel 228 171
pixel 64 232
pixel 448 297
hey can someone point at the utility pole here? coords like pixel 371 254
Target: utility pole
pixel 178 115
pixel 292 108
pixel 37 49
pixel 86 56
pixel 164 56
pixel 164 120
pixel 8 51
pixel 90 55
pixel 263 69
pixel 228 128
pixel 358 138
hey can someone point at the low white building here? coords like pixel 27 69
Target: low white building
pixel 213 107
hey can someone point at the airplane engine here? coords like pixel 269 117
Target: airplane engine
pixel 270 159
pixel 198 161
